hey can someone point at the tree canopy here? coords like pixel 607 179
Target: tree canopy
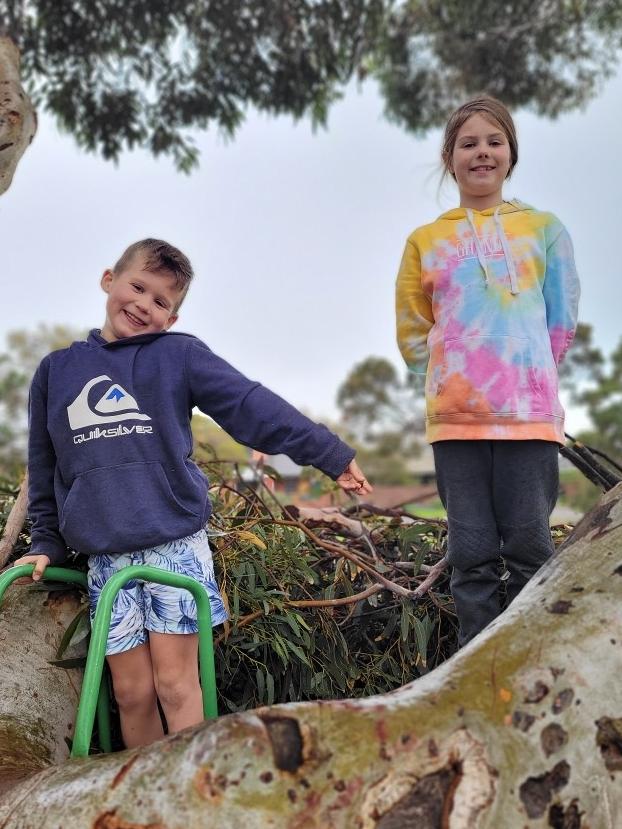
pixel 146 72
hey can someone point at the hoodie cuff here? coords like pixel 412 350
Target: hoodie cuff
pixel 57 553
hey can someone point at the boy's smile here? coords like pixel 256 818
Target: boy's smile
pixel 139 301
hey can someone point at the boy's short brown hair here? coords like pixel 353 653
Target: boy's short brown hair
pixel 159 256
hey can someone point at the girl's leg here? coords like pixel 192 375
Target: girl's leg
pixel 176 674
pixel 134 691
pixel 525 489
pixel 464 477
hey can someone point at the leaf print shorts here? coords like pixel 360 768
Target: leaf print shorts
pixel 143 606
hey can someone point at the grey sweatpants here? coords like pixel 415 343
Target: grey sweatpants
pixel 499 495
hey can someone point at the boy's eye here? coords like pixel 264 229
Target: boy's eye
pixel 160 303
pixel 137 287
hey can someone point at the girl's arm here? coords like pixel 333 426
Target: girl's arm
pixel 413 310
pixel 561 292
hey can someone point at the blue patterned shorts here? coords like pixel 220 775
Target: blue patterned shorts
pixel 142 606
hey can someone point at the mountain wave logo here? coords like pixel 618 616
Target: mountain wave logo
pixel 114 405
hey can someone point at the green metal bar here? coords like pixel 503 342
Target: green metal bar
pixel 51 574
pixel 103 716
pixel 73 577
pixel 99 636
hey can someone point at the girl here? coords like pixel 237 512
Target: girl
pixel 487 307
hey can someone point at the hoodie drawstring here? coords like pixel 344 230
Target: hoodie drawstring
pixel 478 246
pixel 514 289
pixel 506 250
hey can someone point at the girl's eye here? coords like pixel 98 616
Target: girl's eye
pixel 137 287
pixel 160 303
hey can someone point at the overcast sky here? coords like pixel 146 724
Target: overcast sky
pixel 295 236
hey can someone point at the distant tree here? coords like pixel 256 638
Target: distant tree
pixel 145 73
pixel 210 441
pixel 24 351
pixel 383 416
pixel 596 383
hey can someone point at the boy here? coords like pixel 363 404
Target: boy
pixel 111 475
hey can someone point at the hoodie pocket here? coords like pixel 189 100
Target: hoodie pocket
pixel 122 509
pixel 488 375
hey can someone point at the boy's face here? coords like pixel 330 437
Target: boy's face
pixel 139 302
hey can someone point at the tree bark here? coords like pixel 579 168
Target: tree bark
pixel 14 522
pixel 522 728
pixel 37 700
pixel 18 119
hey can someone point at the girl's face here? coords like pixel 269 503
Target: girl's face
pixel 480 162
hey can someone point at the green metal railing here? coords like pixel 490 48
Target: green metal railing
pixel 72 577
pixel 94 696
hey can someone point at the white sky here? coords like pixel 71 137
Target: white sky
pixel 295 237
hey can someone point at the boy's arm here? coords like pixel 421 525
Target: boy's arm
pixel 413 311
pixel 42 510
pixel 257 417
pixel 561 292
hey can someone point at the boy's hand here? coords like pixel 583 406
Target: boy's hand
pixel 40 561
pixel 353 480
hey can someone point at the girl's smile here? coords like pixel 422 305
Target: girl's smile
pixel 480 162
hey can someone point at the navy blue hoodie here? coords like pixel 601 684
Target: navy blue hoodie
pixel 110 440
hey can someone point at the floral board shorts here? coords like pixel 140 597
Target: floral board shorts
pixel 145 606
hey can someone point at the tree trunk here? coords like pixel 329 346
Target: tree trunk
pixel 522 728
pixel 37 700
pixel 14 522
pixel 18 119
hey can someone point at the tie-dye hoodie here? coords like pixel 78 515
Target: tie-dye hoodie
pixel 487 308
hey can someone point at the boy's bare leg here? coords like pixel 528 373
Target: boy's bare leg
pixel 176 674
pixel 134 691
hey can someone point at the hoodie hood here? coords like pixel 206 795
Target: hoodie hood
pixel 473 217
pixel 512 206
pixel 95 339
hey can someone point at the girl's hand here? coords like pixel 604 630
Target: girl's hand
pixel 353 480
pixel 40 561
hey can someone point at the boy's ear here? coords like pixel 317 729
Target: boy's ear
pixel 106 280
pixel 171 321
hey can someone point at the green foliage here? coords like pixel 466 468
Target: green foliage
pixel 382 416
pixel 551 56
pixel 145 72
pixel 275 650
pixel 121 74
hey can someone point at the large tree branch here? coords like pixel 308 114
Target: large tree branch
pixel 18 119
pixel 520 728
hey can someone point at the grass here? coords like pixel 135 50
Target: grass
pixel 431 509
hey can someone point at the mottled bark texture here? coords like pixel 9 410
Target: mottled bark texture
pixel 37 700
pixel 18 120
pixel 522 728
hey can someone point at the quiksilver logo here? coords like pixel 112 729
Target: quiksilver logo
pixel 112 432
pixel 114 405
